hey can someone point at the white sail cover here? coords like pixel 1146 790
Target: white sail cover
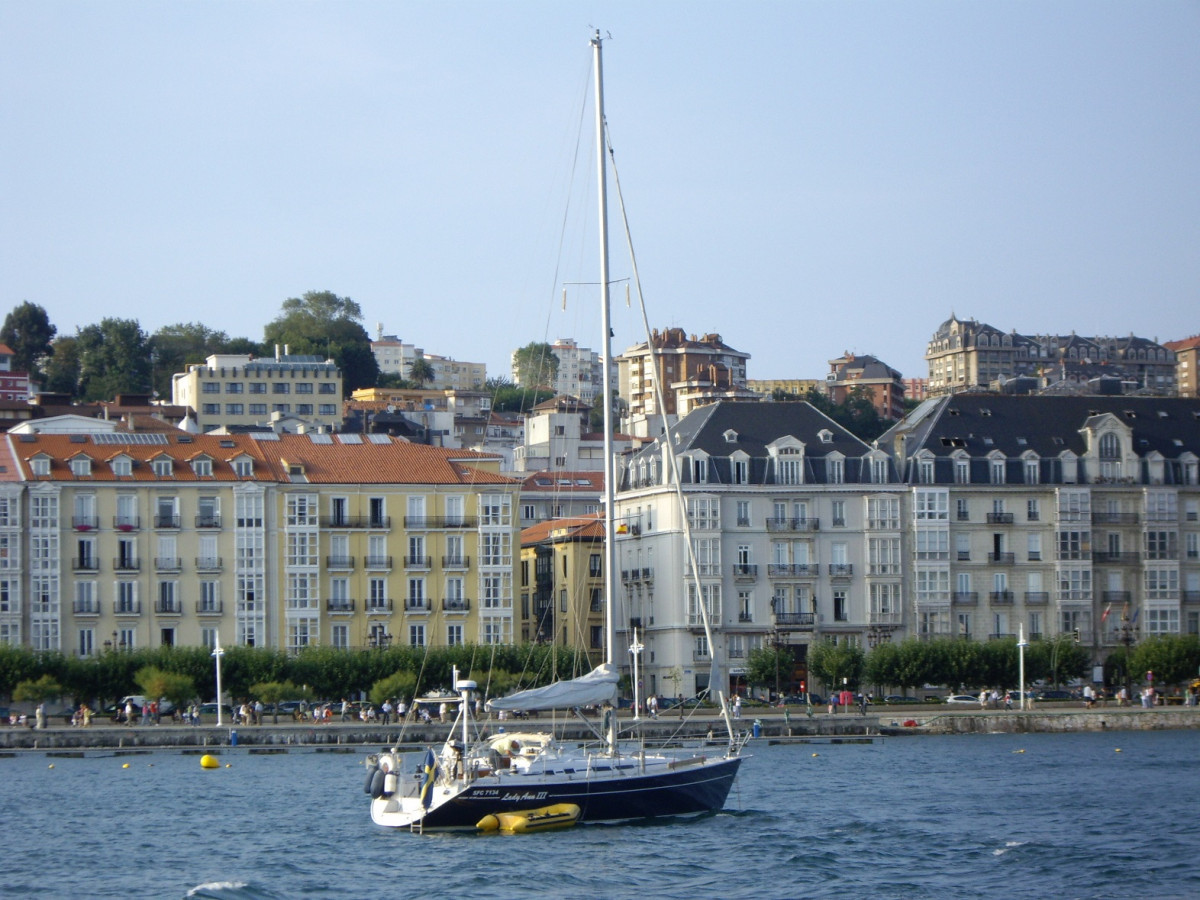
pixel 596 687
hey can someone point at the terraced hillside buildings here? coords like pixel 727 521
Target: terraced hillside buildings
pixel 975 517
pixel 117 539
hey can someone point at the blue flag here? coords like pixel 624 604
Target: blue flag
pixel 429 773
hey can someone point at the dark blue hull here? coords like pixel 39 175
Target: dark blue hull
pixel 683 791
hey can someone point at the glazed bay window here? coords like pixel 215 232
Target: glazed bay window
pixel 931 505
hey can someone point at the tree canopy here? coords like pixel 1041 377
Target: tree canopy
pixel 175 347
pixel 114 358
pixel 536 365
pixel 28 334
pixel 324 324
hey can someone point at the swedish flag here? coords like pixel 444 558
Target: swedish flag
pixel 429 773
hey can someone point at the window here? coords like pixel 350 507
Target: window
pixel 234 387
pixel 839 606
pixel 235 409
pixel 454 635
pixel 243 467
pixel 1033 510
pixel 209 601
pixel 327 387
pixel 258 409
pixel 743 513
pixel 933 543
pixel 835 470
pixel 931 505
pixel 281 387
pixel 962 471
pixel 304 409
pixel 416 635
pixel 879 471
pixel 202 467
pixel 925 471
pixel 838 508
pixel 789 466
pixel 210 409
pixel 704 513
pixel 1032 472
pixel 304 387
pixel 741 471
pixel 210 387
pixel 258 387
pixel 1035 547
pixel 883 514
pixel 996 470
pixel 162 466
pixel 81 467
pixel 962 512
pixel 326 409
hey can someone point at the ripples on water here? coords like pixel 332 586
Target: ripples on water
pixel 1044 816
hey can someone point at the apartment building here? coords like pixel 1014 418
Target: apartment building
pixel 562 584
pixel 394 357
pixel 967 355
pixel 795 537
pixel 1051 514
pixel 691 371
pixel 580 371
pixel 130 539
pixel 237 390
pixel 883 384
pixel 1187 360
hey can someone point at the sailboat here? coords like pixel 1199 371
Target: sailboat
pixel 474 780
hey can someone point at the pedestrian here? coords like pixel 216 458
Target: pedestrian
pixel 442 711
pixel 258 712
pixel 737 706
pixel 983 695
pixel 345 710
pixel 401 709
pixel 1089 697
pixel 1008 699
pixel 386 710
pixel 833 703
pixel 40 715
pixel 128 712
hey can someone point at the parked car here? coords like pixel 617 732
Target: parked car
pixel 962 700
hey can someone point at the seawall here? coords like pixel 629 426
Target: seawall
pixel 772 724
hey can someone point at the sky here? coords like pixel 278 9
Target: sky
pixel 803 178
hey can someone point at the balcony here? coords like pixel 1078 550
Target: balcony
pixel 965 598
pixel 208 520
pixel 456 604
pixel 1074 596
pixel 456 562
pixel 743 523
pixel 1116 559
pixel 964 555
pixel 85 523
pixel 1037 598
pixel 999 518
pixel 745 617
pixel 745 572
pixel 841 570
pixel 426 522
pixel 339 562
pixel 166 521
pixel 87 608
pixel 1116 596
pixel 85 564
pixel 793 570
pixel 127 608
pixel 356 521
pixel 1114 518
pixel 378 562
pixel 126 564
pixel 794 524
pixel 341 605
pixel 167 563
pixel 209 608
pixel 417 562
pixel 168 607
pixel 647 574
pixel 126 523
pixel 802 621
pixel 1002 559
pixel 1001 597
pixel 208 564
pixel 379 605
pixel 416 604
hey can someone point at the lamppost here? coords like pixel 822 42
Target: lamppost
pixel 636 648
pixel 217 654
pixel 1127 633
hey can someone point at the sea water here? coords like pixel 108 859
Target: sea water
pixel 1046 816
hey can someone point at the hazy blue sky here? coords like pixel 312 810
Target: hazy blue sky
pixel 803 178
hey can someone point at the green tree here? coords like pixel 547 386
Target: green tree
pixel 770 667
pixel 28 333
pixel 156 684
pixel 114 358
pixel 836 664
pixel 1173 658
pixel 421 372
pixel 882 666
pixel 273 693
pixel 536 365
pixel 62 368
pixel 516 399
pixel 322 323
pixel 398 684
pixel 38 691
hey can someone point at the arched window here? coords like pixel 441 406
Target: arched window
pixel 1110 446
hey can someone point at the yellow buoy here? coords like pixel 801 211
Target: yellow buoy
pixel 208 761
pixel 125 766
pixel 1018 751
pixel 229 765
pixel 1118 750
pixel 52 765
pixel 816 754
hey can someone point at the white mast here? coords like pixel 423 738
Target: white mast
pixel 610 546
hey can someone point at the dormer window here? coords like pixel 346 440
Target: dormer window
pixel 731 436
pixel 202 466
pixel 162 466
pixel 81 467
pixel 825 436
pixel 40 465
pixel 122 466
pixel 243 467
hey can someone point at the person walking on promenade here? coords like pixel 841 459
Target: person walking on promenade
pixel 345 710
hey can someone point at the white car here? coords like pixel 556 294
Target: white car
pixel 962 700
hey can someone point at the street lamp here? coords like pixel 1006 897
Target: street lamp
pixel 636 649
pixel 217 654
pixel 1127 633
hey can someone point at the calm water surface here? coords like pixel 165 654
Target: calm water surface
pixel 1047 816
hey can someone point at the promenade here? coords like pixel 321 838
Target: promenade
pixel 772 723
